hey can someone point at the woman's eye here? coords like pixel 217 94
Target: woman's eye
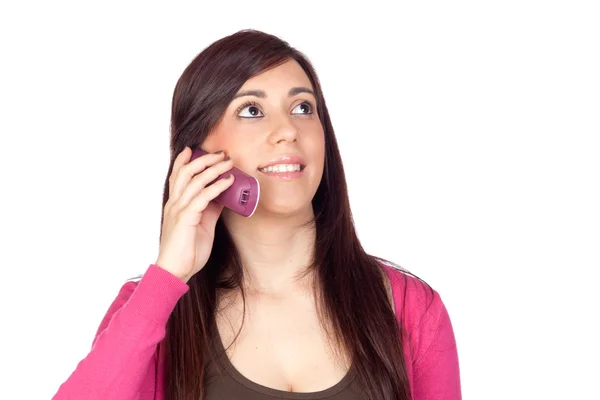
pixel 250 112
pixel 302 108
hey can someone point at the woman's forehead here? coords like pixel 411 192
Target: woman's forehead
pixel 282 77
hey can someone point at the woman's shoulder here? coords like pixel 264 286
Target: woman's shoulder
pixel 426 324
pixel 416 303
pixel 405 283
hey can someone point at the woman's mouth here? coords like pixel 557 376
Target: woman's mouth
pixel 279 168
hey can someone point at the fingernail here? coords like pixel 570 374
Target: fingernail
pixel 219 152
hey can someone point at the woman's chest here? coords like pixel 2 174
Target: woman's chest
pixel 281 345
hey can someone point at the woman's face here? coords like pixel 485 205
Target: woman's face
pixel 273 121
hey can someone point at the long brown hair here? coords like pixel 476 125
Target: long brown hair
pixel 353 296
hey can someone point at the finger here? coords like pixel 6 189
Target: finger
pixel 202 199
pixel 200 181
pixel 182 158
pixel 187 171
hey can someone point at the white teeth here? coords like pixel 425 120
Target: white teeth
pixel 281 168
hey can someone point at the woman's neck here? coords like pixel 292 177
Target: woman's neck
pixel 275 250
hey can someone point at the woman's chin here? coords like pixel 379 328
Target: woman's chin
pixel 283 208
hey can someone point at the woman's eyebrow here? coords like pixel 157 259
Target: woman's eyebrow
pixel 297 90
pixel 260 93
pixel 256 93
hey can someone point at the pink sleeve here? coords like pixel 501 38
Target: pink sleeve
pixel 436 372
pixel 126 342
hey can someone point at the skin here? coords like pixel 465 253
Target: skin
pixel 281 326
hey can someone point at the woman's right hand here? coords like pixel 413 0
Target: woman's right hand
pixel 190 216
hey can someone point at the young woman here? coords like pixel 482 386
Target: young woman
pixel 285 304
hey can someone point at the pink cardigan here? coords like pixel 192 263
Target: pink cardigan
pixel 123 365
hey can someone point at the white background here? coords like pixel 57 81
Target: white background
pixel 469 131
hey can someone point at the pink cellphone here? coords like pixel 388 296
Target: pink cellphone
pixel 242 196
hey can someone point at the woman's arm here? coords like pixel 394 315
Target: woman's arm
pixel 127 339
pixel 436 373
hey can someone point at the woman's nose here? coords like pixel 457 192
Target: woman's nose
pixel 284 130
